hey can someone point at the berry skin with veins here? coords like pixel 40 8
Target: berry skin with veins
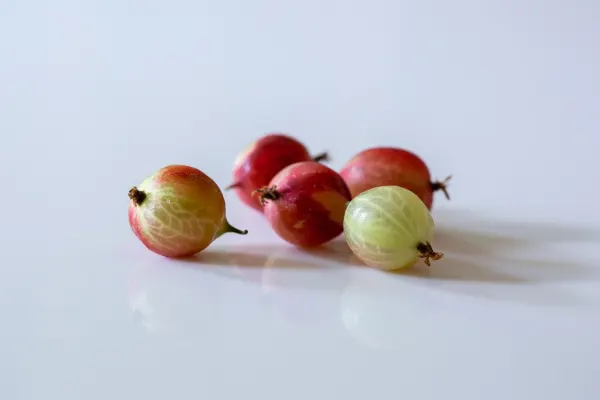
pixel 178 211
pixel 390 228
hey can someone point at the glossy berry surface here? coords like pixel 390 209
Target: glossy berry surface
pixel 384 166
pixel 305 203
pixel 262 160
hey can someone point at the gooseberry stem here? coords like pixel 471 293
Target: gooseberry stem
pixel 267 193
pixel 234 185
pixel 321 157
pixel 427 253
pixel 137 196
pixel 228 228
pixel 442 185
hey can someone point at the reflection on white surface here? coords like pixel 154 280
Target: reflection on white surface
pixel 185 295
pixel 381 313
pixel 517 264
pixel 302 296
pixel 167 299
pixel 326 288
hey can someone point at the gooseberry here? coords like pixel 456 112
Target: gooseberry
pixel 262 160
pixel 305 203
pixel 178 211
pixel 391 166
pixel 389 228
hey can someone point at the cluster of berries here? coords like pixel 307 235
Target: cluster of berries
pixel 380 200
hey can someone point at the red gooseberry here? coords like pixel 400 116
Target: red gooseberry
pixel 262 160
pixel 390 166
pixel 178 211
pixel 305 203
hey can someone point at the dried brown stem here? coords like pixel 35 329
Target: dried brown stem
pixel 321 157
pixel 234 185
pixel 137 196
pixel 442 185
pixel 267 193
pixel 427 253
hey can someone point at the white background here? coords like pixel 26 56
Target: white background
pixel 96 95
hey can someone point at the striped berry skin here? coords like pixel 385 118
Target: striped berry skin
pixel 262 160
pixel 391 166
pixel 389 228
pixel 305 203
pixel 178 211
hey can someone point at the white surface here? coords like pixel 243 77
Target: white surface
pixel 96 95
